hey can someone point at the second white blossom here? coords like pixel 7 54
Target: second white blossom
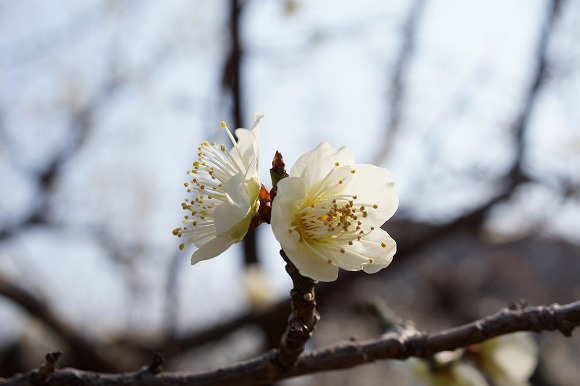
pixel 328 214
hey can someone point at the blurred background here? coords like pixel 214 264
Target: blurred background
pixel 472 105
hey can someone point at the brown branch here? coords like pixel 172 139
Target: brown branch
pixel 345 355
pixel 302 320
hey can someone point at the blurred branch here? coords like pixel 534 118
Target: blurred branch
pixel 397 85
pixel 232 84
pixel 83 350
pixel 539 79
pixel 231 78
pixel 81 125
pixel 394 345
pixel 516 176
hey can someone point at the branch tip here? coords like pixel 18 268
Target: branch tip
pixel 156 365
pixel 44 373
pixel 519 304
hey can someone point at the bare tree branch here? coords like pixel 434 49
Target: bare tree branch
pixel 397 86
pixel 345 355
pixel 539 79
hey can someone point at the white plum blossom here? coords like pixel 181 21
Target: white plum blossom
pixel 226 185
pixel 328 214
pixel 510 360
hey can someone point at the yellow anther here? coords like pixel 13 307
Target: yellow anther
pixel 336 164
pixel 181 246
pixel 196 164
pixel 224 125
pixel 186 184
pixel 205 143
pixel 371 260
pixel 342 250
pixel 223 147
pixel 352 171
pixel 384 245
pixel 375 206
pixel 355 197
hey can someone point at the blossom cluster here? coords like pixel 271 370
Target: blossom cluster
pixel 327 212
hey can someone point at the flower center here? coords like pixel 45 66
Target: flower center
pixel 332 218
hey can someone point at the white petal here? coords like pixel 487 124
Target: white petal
pixel 234 208
pixel 459 374
pixel 373 185
pixel 291 191
pixel 249 146
pixel 313 166
pixel 309 264
pixel 209 235
pixel 349 260
pixel 212 248
pixel 516 355
pixel 370 246
pixel 467 375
